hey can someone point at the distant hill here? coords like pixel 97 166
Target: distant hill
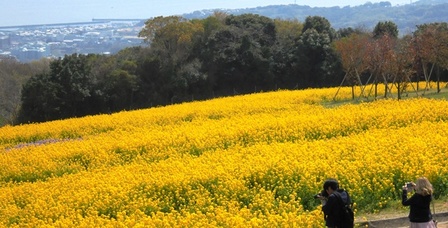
pixel 367 15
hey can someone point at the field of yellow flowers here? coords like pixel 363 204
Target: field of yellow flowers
pixel 245 161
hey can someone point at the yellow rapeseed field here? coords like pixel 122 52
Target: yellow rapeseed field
pixel 244 161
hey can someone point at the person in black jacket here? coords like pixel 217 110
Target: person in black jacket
pixel 332 205
pixel 420 213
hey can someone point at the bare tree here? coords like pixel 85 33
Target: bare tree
pixel 352 52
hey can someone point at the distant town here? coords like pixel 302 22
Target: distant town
pixel 108 36
pixel 100 36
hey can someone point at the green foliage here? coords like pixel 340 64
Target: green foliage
pixel 440 184
pixel 385 28
pixel 236 57
pixel 37 97
pixel 190 60
pixel 317 61
pixel 261 28
pixel 321 25
pixel 61 93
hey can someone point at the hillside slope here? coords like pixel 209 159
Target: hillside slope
pixel 366 16
pixel 244 161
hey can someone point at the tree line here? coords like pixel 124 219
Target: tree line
pixel 224 55
pixel 406 16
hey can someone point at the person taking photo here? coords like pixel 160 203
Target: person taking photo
pixel 420 213
pixel 334 207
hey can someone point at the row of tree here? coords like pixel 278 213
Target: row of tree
pixel 220 55
pixel 388 60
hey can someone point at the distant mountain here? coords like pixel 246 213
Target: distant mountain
pixel 367 15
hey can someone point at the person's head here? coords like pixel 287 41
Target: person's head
pixel 423 186
pixel 331 185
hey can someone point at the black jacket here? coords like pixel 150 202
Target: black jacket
pixel 420 211
pixel 332 209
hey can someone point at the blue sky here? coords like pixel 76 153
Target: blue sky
pixel 26 12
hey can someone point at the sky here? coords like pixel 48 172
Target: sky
pixel 31 12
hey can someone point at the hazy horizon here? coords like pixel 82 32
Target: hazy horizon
pixel 30 12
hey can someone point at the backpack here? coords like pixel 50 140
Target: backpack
pixel 347 219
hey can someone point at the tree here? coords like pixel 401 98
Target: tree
pixel 119 89
pixel 346 32
pixel 402 65
pixel 258 34
pixel 66 91
pixel 152 83
pixel 380 53
pixel 287 31
pixel 385 28
pixel 236 57
pixel 317 63
pixel 173 39
pixel 283 59
pixel 38 100
pixel 260 28
pixel 321 25
pixel 221 58
pixel 430 42
pixel 352 51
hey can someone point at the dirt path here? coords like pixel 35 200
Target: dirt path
pixel 402 222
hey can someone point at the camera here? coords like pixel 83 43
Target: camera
pixel 409 185
pixel 322 193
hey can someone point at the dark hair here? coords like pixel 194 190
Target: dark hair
pixel 332 183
